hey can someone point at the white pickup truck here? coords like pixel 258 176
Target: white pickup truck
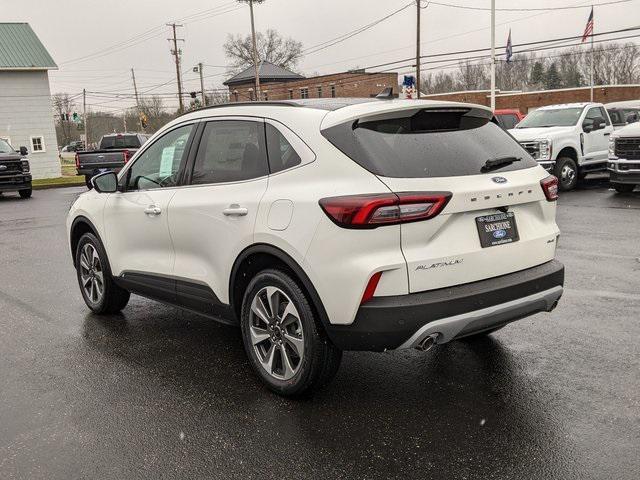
pixel 624 158
pixel 569 140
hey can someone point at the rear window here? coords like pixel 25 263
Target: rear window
pixel 120 141
pixel 429 144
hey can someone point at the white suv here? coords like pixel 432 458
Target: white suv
pixel 327 225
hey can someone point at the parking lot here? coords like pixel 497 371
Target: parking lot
pixel 162 393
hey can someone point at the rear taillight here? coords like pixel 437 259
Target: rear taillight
pixel 374 210
pixel 126 155
pixel 550 187
pixel 77 161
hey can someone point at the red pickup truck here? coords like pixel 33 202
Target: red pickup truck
pixel 508 117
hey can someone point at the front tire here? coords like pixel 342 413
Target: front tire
pixel 98 289
pixel 282 336
pixel 26 193
pixel 567 172
pixel 623 187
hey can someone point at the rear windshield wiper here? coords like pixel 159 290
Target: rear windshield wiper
pixel 493 163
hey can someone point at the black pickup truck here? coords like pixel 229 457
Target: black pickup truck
pixel 114 152
pixel 15 175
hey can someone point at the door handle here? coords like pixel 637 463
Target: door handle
pixel 152 211
pixel 235 210
pixel 607 134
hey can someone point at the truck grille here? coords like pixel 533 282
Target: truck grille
pixel 8 167
pixel 628 148
pixel 533 148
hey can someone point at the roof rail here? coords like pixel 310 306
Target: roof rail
pixel 272 103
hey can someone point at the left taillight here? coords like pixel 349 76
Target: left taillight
pixel 77 161
pixel 550 187
pixel 374 210
pixel 126 155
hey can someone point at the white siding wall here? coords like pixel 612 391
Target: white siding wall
pixel 26 111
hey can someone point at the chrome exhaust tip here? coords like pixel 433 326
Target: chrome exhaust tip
pixel 427 342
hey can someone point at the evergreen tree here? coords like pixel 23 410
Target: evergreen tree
pixel 552 78
pixel 537 74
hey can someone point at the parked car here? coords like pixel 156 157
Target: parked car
pixel 508 118
pixel 569 140
pixel 114 152
pixel 624 158
pixel 15 175
pixel 623 113
pixel 345 224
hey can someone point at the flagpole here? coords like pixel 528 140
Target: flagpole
pixel 493 55
pixel 591 69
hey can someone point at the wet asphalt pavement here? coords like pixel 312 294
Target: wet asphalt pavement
pixel 161 393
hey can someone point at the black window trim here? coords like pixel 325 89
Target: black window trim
pixel 124 173
pixel 190 164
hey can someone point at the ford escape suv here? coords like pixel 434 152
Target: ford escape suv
pixel 326 225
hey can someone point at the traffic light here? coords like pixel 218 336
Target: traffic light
pixel 74 116
pixel 193 94
pixel 143 120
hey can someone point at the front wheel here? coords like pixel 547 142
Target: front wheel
pixel 567 172
pixel 99 291
pixel 283 340
pixel 623 187
pixel 26 193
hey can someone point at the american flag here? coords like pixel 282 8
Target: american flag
pixel 509 50
pixel 588 30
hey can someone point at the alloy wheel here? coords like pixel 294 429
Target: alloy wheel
pixel 91 274
pixel 567 174
pixel 276 333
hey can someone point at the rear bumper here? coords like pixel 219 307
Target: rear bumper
pixel 402 321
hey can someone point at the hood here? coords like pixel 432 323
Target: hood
pixel 10 156
pixel 527 134
pixel 631 130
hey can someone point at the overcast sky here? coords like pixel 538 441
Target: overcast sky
pixel 72 29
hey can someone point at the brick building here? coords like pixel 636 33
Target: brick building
pixel 277 83
pixel 527 101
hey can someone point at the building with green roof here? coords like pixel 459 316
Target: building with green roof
pixel 26 113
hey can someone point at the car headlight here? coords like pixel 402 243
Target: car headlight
pixel 25 166
pixel 612 147
pixel 544 147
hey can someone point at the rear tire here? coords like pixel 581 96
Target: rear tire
pixel 623 187
pixel 99 291
pixel 567 172
pixel 282 337
pixel 26 193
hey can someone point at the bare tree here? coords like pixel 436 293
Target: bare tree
pixel 272 47
pixel 64 106
pixel 472 76
pixel 153 108
pixel 440 82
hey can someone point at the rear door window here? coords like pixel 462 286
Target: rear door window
pixel 428 144
pixel 230 151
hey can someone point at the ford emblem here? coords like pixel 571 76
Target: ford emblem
pixel 499 234
pixel 499 179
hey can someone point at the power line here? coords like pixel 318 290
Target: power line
pixel 539 9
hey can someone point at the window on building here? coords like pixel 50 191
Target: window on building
pixel 304 93
pixel 251 95
pixel 320 92
pixel 37 144
pixel 235 95
pixel 290 94
pixel 265 95
pixel 333 91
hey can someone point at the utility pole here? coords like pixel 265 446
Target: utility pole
pixel 418 49
pixel 204 97
pixel 176 53
pixel 493 55
pixel 255 51
pixel 591 62
pixel 135 90
pixel 84 117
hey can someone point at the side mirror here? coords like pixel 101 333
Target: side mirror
pixel 23 151
pixel 587 127
pixel 106 182
pixel 598 123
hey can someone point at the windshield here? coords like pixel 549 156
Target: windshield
pixel 560 117
pixel 5 147
pixel 120 141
